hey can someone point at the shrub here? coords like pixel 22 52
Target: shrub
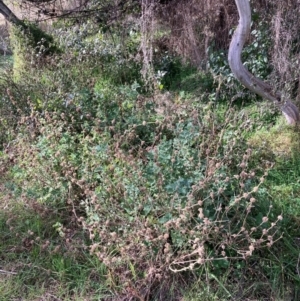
pixel 156 193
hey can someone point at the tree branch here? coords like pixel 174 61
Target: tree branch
pixel 253 83
pixel 8 14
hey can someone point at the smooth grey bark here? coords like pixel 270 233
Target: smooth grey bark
pixel 253 83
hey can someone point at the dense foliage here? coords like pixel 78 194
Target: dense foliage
pixel 129 173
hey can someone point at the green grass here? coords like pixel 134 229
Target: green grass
pixel 45 249
pixel 33 269
pixel 6 60
pixel 41 272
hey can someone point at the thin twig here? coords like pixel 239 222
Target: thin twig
pixel 297 267
pixel 7 272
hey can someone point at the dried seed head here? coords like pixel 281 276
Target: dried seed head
pixel 166 236
pixel 201 215
pixel 243 165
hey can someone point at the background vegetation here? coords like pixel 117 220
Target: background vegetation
pixel 134 167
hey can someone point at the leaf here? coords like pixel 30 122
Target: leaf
pixel 167 217
pixel 147 209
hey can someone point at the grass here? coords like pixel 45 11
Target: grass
pixel 282 187
pixel 45 251
pixel 5 60
pixel 33 270
pixel 37 264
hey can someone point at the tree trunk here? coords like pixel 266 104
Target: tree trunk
pixel 254 84
pixel 8 14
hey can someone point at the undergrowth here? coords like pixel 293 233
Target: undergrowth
pixel 112 191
